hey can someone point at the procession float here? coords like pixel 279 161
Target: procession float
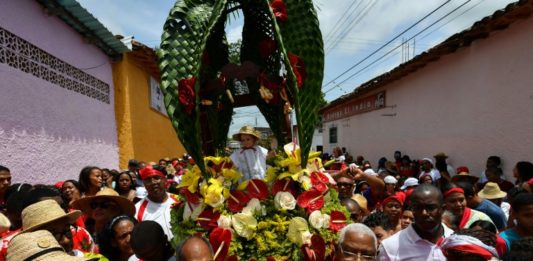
pixel 292 214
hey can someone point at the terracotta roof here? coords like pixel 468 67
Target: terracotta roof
pixel 147 58
pixel 499 20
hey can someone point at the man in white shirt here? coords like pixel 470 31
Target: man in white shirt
pixel 356 242
pixel 421 239
pixel 157 204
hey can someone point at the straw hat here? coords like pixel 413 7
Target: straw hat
pixel 37 215
pixel 247 130
pixel 440 155
pixel 362 202
pixel 491 191
pixel 125 205
pixel 37 246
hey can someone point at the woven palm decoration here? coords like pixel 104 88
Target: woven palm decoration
pixel 282 62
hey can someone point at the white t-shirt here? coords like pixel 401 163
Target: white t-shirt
pixel 158 212
pixel 250 162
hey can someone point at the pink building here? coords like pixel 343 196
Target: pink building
pixel 470 96
pixel 56 91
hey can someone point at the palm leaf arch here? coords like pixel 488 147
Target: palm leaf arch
pixel 194 46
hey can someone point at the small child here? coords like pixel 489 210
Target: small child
pixel 250 159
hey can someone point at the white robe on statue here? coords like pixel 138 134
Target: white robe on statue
pixel 250 162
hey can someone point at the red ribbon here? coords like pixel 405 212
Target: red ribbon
pixel 453 190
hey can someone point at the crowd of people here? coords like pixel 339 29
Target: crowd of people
pixel 428 210
pixel 401 210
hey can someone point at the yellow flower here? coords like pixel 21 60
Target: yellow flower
pixel 298 231
pixel 243 185
pixel 293 162
pixel 215 193
pixel 271 174
pixel 231 174
pixel 190 179
pixel 244 224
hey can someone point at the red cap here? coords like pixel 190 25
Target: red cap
pixel 149 171
pixel 398 196
pixel 462 169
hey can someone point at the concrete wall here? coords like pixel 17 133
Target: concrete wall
pixel 48 133
pixel 143 133
pixel 470 104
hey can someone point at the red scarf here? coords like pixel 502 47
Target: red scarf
pixel 466 216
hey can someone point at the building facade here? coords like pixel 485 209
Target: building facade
pixel 470 96
pixel 144 130
pixel 56 91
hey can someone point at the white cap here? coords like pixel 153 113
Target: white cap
pixel 390 180
pixel 370 172
pixel 410 182
pixel 428 159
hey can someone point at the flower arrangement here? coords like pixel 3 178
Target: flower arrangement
pixel 293 214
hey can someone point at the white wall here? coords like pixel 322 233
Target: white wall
pixel 470 104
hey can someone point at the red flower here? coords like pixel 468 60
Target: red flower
pixel 257 189
pixel 220 240
pixel 208 219
pixel 192 198
pixel 267 47
pixel 280 10
pixel 186 95
pixel 319 181
pixel 286 185
pixel 298 68
pixel 337 220
pixel 311 200
pixel 237 201
pixel 316 251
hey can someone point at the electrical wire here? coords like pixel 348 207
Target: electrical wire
pixel 440 19
pixel 390 41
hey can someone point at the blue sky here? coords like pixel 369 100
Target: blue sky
pixel 351 30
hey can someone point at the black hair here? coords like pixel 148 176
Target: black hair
pixel 149 234
pixel 15 188
pixel 106 237
pixel 405 157
pixel 117 177
pixel 485 225
pixel 515 191
pixel 161 168
pixel 4 168
pixel 468 188
pixel 485 236
pixel 180 255
pixel 521 200
pixel 359 185
pixel 43 191
pixel 497 160
pixel 493 172
pixel 521 250
pixel 423 188
pixel 378 219
pixel 84 178
pixel 525 170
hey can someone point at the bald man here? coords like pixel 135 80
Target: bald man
pixel 194 248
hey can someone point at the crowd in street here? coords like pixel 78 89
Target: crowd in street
pixel 400 210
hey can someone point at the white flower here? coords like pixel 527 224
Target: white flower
pixel 319 220
pixel 253 207
pixel 285 200
pixel 224 222
pixel 244 224
pixel 298 231
pixel 192 211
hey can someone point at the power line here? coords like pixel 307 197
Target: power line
pixel 355 21
pixel 455 17
pixel 440 19
pixel 338 26
pixel 390 41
